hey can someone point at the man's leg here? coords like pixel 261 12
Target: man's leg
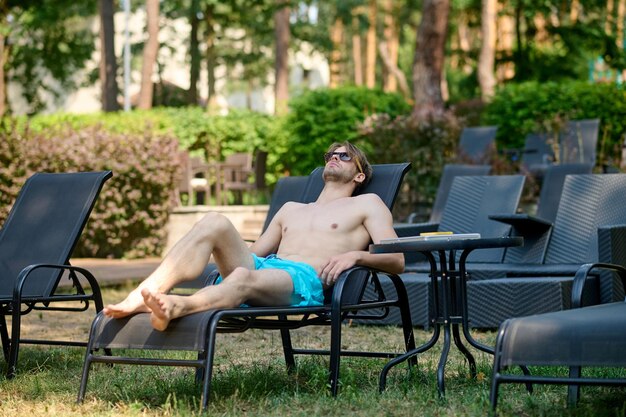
pixel 268 287
pixel 213 234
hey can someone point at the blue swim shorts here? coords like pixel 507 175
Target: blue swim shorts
pixel 307 287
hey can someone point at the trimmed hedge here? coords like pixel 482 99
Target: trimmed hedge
pixel 130 216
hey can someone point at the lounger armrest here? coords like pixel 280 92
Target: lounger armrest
pixel 414 229
pixel 578 286
pixel 523 224
pixel 25 274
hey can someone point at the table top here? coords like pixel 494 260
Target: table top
pixel 436 245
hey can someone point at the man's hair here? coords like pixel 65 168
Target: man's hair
pixel 359 158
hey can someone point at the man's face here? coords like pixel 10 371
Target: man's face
pixel 337 169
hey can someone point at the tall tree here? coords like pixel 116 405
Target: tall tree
pixel 210 54
pixel 389 47
pixel 504 45
pixel 108 63
pixel 336 61
pixel 357 53
pixel 42 40
pixel 486 60
pixel 282 33
pixel 194 52
pixel 429 59
pixel 370 52
pixel 150 51
pixel 4 55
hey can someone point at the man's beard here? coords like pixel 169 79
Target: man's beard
pixel 340 176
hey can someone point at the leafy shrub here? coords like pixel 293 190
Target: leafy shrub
pixel 211 136
pixel 130 215
pixel 320 117
pixel 240 131
pixel 428 145
pixel 519 109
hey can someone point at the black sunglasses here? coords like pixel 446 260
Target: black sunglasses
pixel 344 156
pixel 341 155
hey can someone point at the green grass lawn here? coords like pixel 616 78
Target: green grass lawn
pixel 250 379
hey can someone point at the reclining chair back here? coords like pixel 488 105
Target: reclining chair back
pixel 578 142
pixel 587 202
pixel 450 172
pixel 477 144
pixel 472 199
pixel 43 227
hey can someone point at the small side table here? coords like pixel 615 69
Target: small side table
pixel 451 305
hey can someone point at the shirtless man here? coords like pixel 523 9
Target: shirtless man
pixel 304 249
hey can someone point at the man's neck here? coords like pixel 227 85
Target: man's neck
pixel 333 191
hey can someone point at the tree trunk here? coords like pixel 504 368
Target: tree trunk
pixel 393 70
pixel 487 58
pixel 356 51
pixel 608 23
pixel 573 13
pixel 194 52
pixel 108 63
pixel 210 57
pixel 390 83
pixel 150 51
pixel 464 45
pixel 370 52
pixel 4 54
pixel 429 59
pixel 619 31
pixel 504 41
pixel 282 33
pixel 336 37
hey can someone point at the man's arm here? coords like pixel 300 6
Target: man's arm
pixel 268 242
pixel 379 224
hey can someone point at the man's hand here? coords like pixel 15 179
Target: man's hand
pixel 336 265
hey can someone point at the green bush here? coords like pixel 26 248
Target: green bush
pixel 131 213
pixel 211 136
pixel 519 109
pixel 320 117
pixel 240 131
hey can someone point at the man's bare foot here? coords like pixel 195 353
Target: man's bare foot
pixel 160 306
pixel 130 305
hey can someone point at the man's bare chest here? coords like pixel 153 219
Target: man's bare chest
pixel 324 219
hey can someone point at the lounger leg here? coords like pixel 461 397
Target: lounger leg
pixel 4 337
pixel 200 371
pixel 335 353
pixel 526 371
pixel 208 364
pixel 84 378
pixel 573 391
pixel 493 395
pixel 15 341
pixel 405 314
pixel 290 361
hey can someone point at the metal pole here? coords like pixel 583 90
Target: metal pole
pixel 126 55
